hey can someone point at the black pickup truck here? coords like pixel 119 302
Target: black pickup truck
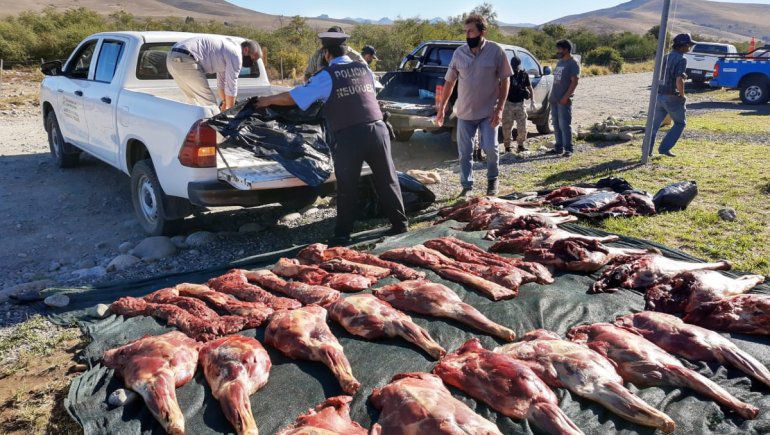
pixel 409 92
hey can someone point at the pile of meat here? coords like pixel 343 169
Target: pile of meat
pixel 694 291
pixel 296 298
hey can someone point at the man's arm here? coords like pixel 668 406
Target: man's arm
pixel 282 99
pixel 229 79
pixel 681 76
pixel 504 73
pixel 502 94
pixel 449 87
pixel 573 82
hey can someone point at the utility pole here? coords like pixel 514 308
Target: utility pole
pixel 647 142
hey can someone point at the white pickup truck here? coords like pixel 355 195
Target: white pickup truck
pixel 702 58
pixel 114 99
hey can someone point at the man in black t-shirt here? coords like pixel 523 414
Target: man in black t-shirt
pixel 519 91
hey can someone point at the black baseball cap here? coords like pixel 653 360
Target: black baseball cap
pixel 368 49
pixel 683 39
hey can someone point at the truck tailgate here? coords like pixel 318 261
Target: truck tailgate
pixel 243 170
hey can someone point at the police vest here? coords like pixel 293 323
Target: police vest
pixel 352 100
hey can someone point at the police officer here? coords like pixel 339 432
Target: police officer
pixel 355 119
pixel 671 99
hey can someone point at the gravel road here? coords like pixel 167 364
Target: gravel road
pixel 54 222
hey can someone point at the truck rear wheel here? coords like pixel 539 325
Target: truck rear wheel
pixel 756 90
pixel 64 154
pixel 151 203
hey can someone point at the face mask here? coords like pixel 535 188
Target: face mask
pixel 473 42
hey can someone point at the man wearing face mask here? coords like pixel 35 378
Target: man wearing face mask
pixel 565 80
pixel 354 117
pixel 483 70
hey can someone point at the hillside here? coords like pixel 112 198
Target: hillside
pixel 730 21
pixel 219 10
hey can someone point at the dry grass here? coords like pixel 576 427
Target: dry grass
pixel 35 373
pixel 628 68
pixel 741 182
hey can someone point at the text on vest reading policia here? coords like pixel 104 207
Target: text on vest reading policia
pixel 356 76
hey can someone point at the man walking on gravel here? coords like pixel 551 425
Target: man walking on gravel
pixel 565 80
pixel 483 70
pixel 520 90
pixel 671 99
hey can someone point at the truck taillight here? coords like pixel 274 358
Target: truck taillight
pixel 716 70
pixel 200 147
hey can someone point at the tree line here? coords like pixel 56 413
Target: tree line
pixel 53 34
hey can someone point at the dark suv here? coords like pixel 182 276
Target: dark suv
pixel 408 93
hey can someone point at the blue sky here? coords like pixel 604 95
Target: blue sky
pixel 509 11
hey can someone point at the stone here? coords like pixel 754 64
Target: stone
pixel 291 217
pixel 57 300
pixel 121 396
pixel 310 212
pixel 121 262
pixel 86 263
pixel 101 245
pixel 626 136
pixel 54 266
pixel 194 252
pixel 154 248
pixel 200 238
pixel 727 214
pixel 179 242
pixel 32 288
pixel 99 311
pixel 307 208
pixel 124 247
pixel 90 273
pixel 251 227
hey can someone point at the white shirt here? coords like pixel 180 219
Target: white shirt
pixel 217 55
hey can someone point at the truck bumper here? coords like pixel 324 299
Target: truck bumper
pixel 221 194
pixel 699 75
pixel 404 122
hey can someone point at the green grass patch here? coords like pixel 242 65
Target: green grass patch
pixel 731 121
pixel 35 337
pixel 729 173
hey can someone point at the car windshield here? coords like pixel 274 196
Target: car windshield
pixel 152 63
pixel 710 49
pixel 439 56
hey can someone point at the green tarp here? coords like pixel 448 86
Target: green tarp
pixel 296 386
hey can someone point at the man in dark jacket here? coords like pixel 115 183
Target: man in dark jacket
pixel 671 99
pixel 514 112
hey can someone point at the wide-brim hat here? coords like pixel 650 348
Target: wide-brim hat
pixel 329 39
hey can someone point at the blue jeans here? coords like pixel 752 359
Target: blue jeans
pixel 674 106
pixel 488 143
pixel 561 118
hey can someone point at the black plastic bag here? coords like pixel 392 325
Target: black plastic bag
pixel 416 196
pixel 676 196
pixel 594 201
pixel 616 184
pixel 290 136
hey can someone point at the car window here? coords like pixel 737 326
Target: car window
pixel 81 62
pixel 107 63
pixel 151 64
pixel 529 64
pixel 709 49
pixel 439 56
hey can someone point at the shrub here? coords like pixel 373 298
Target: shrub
pixel 605 56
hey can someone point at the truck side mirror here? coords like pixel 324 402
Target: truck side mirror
pixel 51 68
pixel 546 70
